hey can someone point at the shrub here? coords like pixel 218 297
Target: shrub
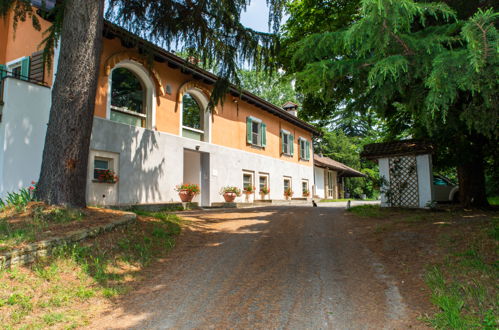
pixel 230 189
pixel 191 187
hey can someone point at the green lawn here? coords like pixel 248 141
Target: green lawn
pixel 345 200
pixel 494 200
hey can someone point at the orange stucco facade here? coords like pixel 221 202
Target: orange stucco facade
pixel 21 41
pixel 228 126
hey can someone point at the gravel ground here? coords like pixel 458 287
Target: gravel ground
pixel 265 268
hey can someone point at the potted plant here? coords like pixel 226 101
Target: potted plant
pixel 306 193
pixel 230 193
pixel 107 176
pixel 264 191
pixel 187 191
pixel 248 190
pixel 288 193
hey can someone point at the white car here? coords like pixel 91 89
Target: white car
pixel 444 190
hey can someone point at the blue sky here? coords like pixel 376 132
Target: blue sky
pixel 257 16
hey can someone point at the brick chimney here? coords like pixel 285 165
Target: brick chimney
pixel 291 108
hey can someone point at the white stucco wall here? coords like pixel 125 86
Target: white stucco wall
pixel 149 163
pixel 425 179
pixel 384 173
pixel 25 116
pixel 152 163
pixel 319 182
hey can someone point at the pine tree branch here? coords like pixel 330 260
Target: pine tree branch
pixel 407 50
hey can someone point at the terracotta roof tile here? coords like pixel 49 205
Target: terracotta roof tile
pixel 344 170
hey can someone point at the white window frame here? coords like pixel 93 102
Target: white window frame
pixel 259 134
pixel 110 162
pixel 14 64
pixel 288 149
pixel 252 177
pixel 305 181
pixel 267 179
pixel 303 149
pixel 149 95
pixel 287 178
pixel 202 101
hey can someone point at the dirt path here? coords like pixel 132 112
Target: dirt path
pixel 267 268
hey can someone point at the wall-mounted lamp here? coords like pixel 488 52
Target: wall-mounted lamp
pixel 197 147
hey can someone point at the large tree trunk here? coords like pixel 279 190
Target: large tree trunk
pixel 471 174
pixel 65 156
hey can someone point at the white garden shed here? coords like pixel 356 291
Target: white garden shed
pixel 405 169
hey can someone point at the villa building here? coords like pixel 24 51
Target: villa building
pixel 150 125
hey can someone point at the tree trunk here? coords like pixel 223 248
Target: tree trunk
pixel 471 174
pixel 65 156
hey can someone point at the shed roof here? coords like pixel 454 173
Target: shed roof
pixel 343 170
pixel 397 148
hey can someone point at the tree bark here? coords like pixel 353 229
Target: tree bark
pixel 65 156
pixel 471 175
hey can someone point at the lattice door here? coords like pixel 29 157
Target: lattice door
pixel 404 190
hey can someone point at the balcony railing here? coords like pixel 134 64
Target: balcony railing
pixel 9 74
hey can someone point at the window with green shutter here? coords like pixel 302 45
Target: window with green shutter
pixel 304 149
pixel 3 71
pixel 25 68
pixel 256 132
pixel 286 143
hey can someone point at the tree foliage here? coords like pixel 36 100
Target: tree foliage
pixel 209 29
pixel 417 65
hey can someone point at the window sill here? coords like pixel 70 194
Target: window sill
pixel 97 181
pixel 287 155
pixel 256 146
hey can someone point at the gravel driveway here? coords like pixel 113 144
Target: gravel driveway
pixel 265 268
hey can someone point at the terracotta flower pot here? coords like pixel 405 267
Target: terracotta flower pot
pixel 229 197
pixel 186 196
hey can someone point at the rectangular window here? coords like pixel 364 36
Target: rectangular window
pixel 304 187
pixel 256 132
pixel 19 68
pixel 286 143
pixel 247 180
pixel 304 149
pixel 287 183
pixel 263 181
pixel 101 164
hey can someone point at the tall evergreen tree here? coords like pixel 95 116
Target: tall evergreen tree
pixel 420 68
pixel 211 27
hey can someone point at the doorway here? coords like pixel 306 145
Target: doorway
pixel 330 184
pixel 196 171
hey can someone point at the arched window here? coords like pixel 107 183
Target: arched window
pixel 192 118
pixel 128 98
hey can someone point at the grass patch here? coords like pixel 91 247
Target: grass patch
pixel 464 286
pixel 53 292
pixel 372 211
pixel 494 200
pixel 345 200
pixel 26 225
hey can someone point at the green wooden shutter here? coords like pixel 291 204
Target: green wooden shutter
pixel 3 71
pixel 264 135
pixel 25 68
pixel 307 146
pixel 292 141
pixel 248 130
